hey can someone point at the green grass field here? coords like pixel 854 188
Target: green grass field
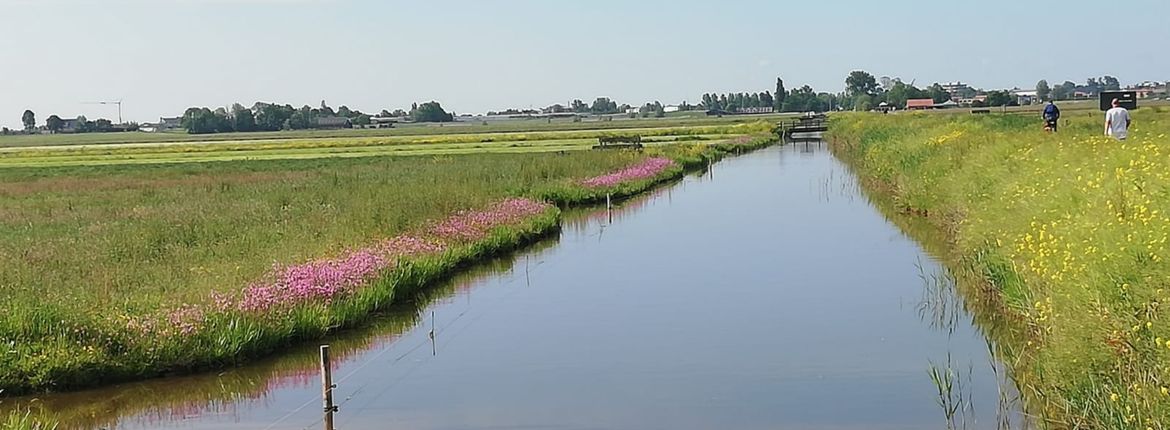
pixel 348 147
pixel 108 249
pixel 684 119
pixel 1063 234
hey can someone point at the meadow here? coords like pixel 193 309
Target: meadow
pixel 1064 234
pixel 320 147
pixel 125 271
pixel 682 119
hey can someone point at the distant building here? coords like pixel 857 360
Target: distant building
pixel 173 123
pixel 971 100
pixel 920 104
pixel 70 125
pixel 1026 97
pixel 670 108
pixel 958 90
pixel 750 110
pixel 332 122
pixel 1148 89
pixel 949 104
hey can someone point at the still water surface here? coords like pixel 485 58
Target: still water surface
pixel 765 293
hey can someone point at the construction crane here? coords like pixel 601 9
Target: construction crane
pixel 119 103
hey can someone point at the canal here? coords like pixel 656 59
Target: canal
pixel 767 292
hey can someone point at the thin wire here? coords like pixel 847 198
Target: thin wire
pixel 409 372
pixel 395 361
pixel 294 411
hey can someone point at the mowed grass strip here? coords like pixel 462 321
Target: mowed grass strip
pixel 1069 234
pixel 412 131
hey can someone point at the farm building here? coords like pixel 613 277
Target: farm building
pixel 332 122
pixel 920 104
pixel 174 123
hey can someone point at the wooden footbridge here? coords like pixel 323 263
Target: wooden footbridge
pixel 805 124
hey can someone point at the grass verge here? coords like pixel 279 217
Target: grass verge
pixel 1065 233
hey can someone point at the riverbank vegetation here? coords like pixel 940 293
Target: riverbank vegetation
pixel 124 272
pixel 1066 232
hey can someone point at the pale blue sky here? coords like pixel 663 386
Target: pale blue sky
pixel 161 56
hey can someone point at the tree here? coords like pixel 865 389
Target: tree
pixel 1000 98
pixel 1043 91
pixel 766 100
pixel 1064 91
pixel 937 93
pixel 345 112
pixel 431 112
pixel 781 94
pixel 244 121
pixel 272 117
pixel 326 110
pixel 603 105
pixel 860 82
pixel 54 123
pixel 899 92
pixel 1110 83
pixel 198 121
pixel 301 119
pixel 362 119
pixel 578 106
pixel 102 124
pixel 29 119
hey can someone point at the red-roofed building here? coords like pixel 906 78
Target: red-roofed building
pixel 919 104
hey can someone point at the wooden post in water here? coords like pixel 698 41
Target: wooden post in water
pixel 327 387
pixel 609 208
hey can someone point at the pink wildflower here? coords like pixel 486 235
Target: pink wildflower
pixel 648 168
pixel 321 281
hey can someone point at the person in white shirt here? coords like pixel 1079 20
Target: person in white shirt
pixel 1117 121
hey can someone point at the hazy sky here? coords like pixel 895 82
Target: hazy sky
pixel 162 56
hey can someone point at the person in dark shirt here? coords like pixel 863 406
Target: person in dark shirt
pixel 1051 116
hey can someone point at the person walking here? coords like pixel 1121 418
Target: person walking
pixel 1051 116
pixel 1117 121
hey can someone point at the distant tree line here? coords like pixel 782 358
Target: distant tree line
pixel 274 117
pixel 1069 89
pixel 54 124
pixel 732 102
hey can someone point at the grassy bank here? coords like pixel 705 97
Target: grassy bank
pixel 1066 233
pixel 125 272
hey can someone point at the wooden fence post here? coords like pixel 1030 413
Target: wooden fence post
pixel 327 387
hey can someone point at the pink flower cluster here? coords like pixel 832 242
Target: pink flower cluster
pixel 648 168
pixel 187 319
pixel 321 281
pixel 472 225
